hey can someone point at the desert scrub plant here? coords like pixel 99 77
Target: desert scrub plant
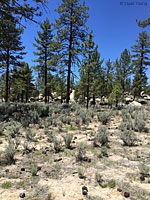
pixel 9 153
pixel 68 139
pixel 101 137
pixel 34 116
pixel 112 183
pixel 30 134
pixel 139 124
pixel 81 151
pixel 104 117
pixel 49 197
pixel 7 185
pixel 12 128
pixel 98 178
pixel 128 137
pixel 57 145
pixel 144 170
pixel 34 170
pixel 81 173
pixel 127 125
pixel 103 152
pixel 83 117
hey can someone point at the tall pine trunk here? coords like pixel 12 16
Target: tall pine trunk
pixel 7 77
pixel 88 86
pixel 69 63
pixel 45 75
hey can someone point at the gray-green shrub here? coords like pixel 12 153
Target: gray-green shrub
pixel 68 139
pixel 129 138
pixel 102 136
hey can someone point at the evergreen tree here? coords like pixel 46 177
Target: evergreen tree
pixel 126 67
pixel 21 83
pixel 98 75
pixel 140 62
pixel 117 94
pixel 91 71
pixel 109 77
pixel 60 86
pixel 16 10
pixel 70 31
pixel 11 48
pixel 86 68
pixel 45 52
pixel 123 68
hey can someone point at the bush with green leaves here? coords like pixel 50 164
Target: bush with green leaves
pixel 83 117
pixel 112 183
pixel 9 153
pixel 104 117
pixel 139 124
pixel 57 145
pixel 129 137
pixel 12 128
pixel 68 139
pixel 81 173
pixel 127 125
pixel 34 170
pixel 7 185
pixel 98 178
pixel 144 170
pixel 101 137
pixel 34 116
pixel 49 197
pixel 30 134
pixel 81 151
pixel 103 152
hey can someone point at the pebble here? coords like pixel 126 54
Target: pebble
pixel 22 195
pixel 126 194
pixel 84 190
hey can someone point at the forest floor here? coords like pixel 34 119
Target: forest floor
pixel 41 173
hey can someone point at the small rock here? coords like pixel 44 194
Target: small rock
pixel 57 160
pixel 22 195
pixel 87 159
pixel 23 169
pixel 39 168
pixel 84 190
pixel 126 194
pixel 119 189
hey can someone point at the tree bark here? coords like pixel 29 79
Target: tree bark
pixel 69 61
pixel 45 75
pixel 7 77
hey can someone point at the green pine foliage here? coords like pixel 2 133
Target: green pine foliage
pixel 11 48
pixel 45 52
pixel 71 31
pixel 117 94
pixel 140 61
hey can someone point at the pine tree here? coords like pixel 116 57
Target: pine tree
pixel 70 31
pixel 98 75
pixel 16 10
pixel 11 48
pixel 117 94
pixel 140 61
pixel 86 68
pixel 21 83
pixel 45 52
pixel 91 71
pixel 109 77
pixel 126 67
pixel 123 68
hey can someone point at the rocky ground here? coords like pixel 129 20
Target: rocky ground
pixel 41 173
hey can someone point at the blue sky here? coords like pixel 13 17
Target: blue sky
pixel 113 22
